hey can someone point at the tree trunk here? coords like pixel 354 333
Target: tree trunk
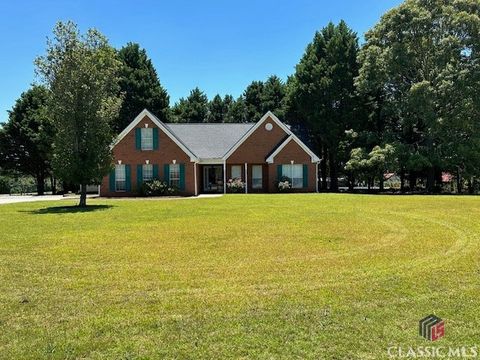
pixel 459 181
pixel 471 186
pixel 323 168
pixel 431 179
pixel 53 184
pixel 40 184
pixel 382 181
pixel 412 180
pixel 332 162
pixel 83 195
pixel 402 181
pixel 351 183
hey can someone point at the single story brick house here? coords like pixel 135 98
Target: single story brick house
pixel 202 158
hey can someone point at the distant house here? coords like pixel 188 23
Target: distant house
pixel 202 158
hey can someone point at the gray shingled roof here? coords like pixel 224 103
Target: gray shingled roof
pixel 209 141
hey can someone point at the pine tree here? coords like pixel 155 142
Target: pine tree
pixel 237 112
pixel 140 87
pixel 252 97
pixel 193 109
pixel 273 96
pixel 215 110
pixel 323 92
pixel 26 139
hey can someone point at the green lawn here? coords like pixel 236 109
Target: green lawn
pixel 257 276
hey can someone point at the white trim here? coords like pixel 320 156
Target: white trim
pixel 271 158
pixel 269 114
pixel 213 161
pixel 195 177
pixel 160 125
pixel 246 178
pixel 224 176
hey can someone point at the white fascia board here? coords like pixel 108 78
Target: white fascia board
pixel 255 127
pixel 160 125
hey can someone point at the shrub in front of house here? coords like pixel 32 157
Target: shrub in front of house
pixel 157 188
pixel 235 186
pixel 284 185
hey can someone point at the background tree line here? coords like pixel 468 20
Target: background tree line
pixel 405 102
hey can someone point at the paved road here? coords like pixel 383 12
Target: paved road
pixel 11 199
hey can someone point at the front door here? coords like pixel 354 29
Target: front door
pixel 213 178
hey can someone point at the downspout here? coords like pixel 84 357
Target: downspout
pixel 316 177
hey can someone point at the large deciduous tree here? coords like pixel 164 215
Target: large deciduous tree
pixel 421 66
pixel 26 139
pixel 82 73
pixel 140 87
pixel 322 91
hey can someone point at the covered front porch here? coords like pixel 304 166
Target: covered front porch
pixel 212 179
pixel 217 178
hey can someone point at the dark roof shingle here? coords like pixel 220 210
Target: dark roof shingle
pixel 209 141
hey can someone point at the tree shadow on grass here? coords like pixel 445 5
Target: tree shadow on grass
pixel 69 209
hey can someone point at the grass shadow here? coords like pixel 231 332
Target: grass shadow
pixel 72 209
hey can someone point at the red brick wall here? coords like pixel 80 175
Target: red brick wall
pixel 258 145
pixel 292 151
pixel 167 151
pixel 254 151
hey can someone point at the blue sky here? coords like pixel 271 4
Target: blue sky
pixel 219 46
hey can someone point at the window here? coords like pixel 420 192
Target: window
pixel 236 172
pixel 295 174
pixel 175 175
pixel 147 139
pixel 120 178
pixel 257 177
pixel 147 172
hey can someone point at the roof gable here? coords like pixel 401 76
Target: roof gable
pixel 294 138
pixel 214 141
pixel 268 115
pixel 160 125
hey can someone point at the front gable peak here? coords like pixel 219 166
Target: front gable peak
pixel 140 117
pixel 266 120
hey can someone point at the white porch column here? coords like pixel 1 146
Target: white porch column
pixel 246 178
pixel 195 177
pixel 224 176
